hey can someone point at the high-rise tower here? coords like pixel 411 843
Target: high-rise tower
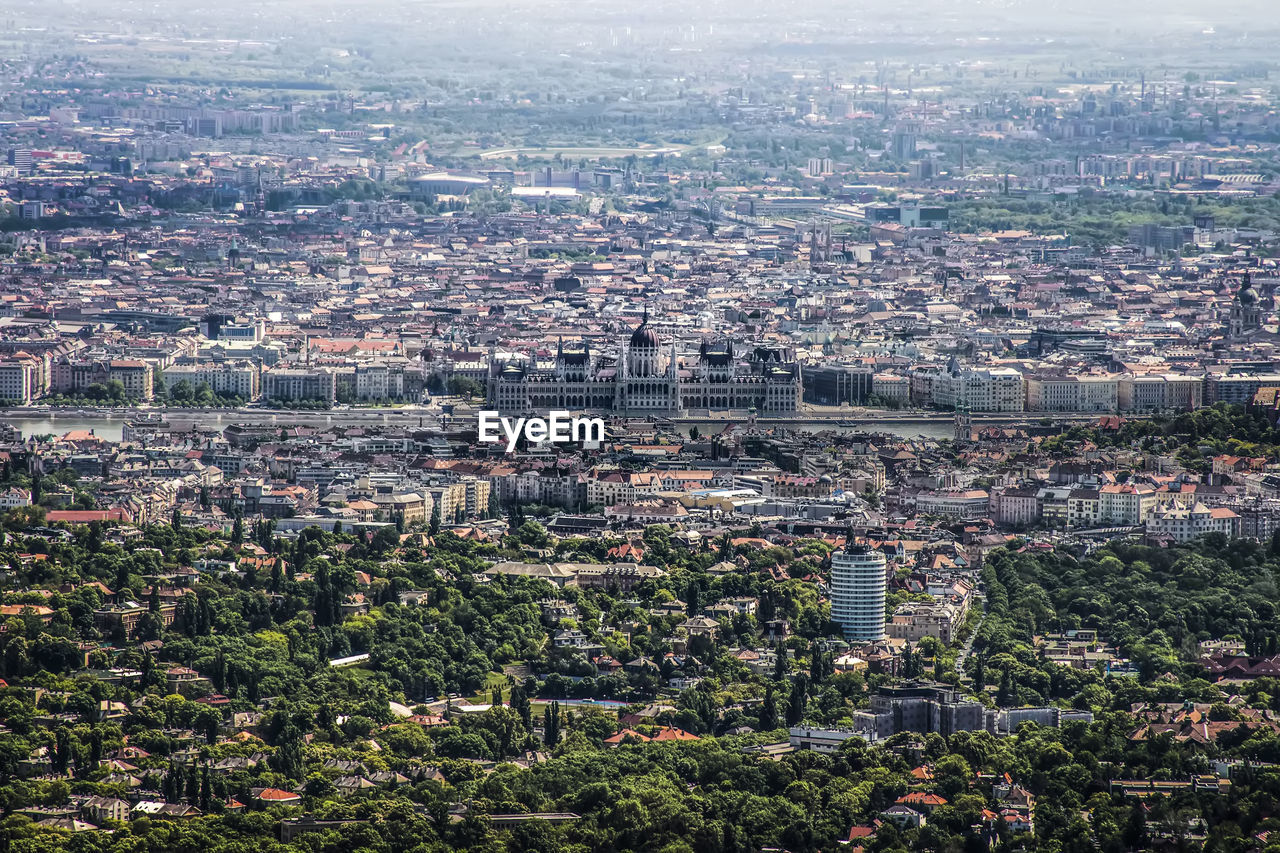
pixel 858 587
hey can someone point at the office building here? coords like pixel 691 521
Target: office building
pixel 21 160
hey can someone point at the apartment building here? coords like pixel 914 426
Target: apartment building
pixel 1083 507
pixel 1236 387
pixel 289 384
pixel 606 488
pixel 409 508
pixel 450 498
pixel 1126 504
pixel 1016 507
pixel 127 618
pixel 1053 503
pixel 476 495
pixel 379 382
pixel 797 486
pixel 1186 523
pixel 1149 392
pixel 73 377
pixel 14 497
pixel 913 622
pixel 19 380
pixel 1048 392
pixel 231 378
pixel 891 386
pixel 988 389
pixel 922 708
pixel 136 376
pixel 969 503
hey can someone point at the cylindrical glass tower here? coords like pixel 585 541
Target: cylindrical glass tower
pixel 858 591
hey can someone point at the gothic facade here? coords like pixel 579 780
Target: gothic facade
pixel 645 378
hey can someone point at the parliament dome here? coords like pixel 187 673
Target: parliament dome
pixel 644 336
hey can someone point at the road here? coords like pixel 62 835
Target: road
pixel 967 648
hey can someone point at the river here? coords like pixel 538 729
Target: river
pixel 109 425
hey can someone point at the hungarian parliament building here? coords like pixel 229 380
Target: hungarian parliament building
pixel 643 379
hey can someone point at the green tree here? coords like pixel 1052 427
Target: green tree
pixel 533 534
pixel 522 706
pixel 551 724
pixel 799 698
pixel 769 710
pixel 692 594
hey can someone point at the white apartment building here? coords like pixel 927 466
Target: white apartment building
pixel 1126 504
pixel 14 497
pixel 1151 392
pixel 552 488
pixel 1016 506
pixel 1048 392
pixel 1083 507
pixel 606 488
pixel 914 621
pixel 971 503
pixel 826 741
pixel 294 383
pixel 987 389
pixel 859 586
pixel 378 382
pixel 891 386
pixel 231 379
pixel 18 380
pixel 1183 523
pixel 1054 504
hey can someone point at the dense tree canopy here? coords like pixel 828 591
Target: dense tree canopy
pixel 267 616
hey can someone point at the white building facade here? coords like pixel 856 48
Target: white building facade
pixel 858 588
pixel 646 378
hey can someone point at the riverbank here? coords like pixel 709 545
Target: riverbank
pixel 108 422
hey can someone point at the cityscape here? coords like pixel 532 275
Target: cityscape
pixel 548 428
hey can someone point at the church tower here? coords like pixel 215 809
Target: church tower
pixel 964 424
pixel 1245 309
